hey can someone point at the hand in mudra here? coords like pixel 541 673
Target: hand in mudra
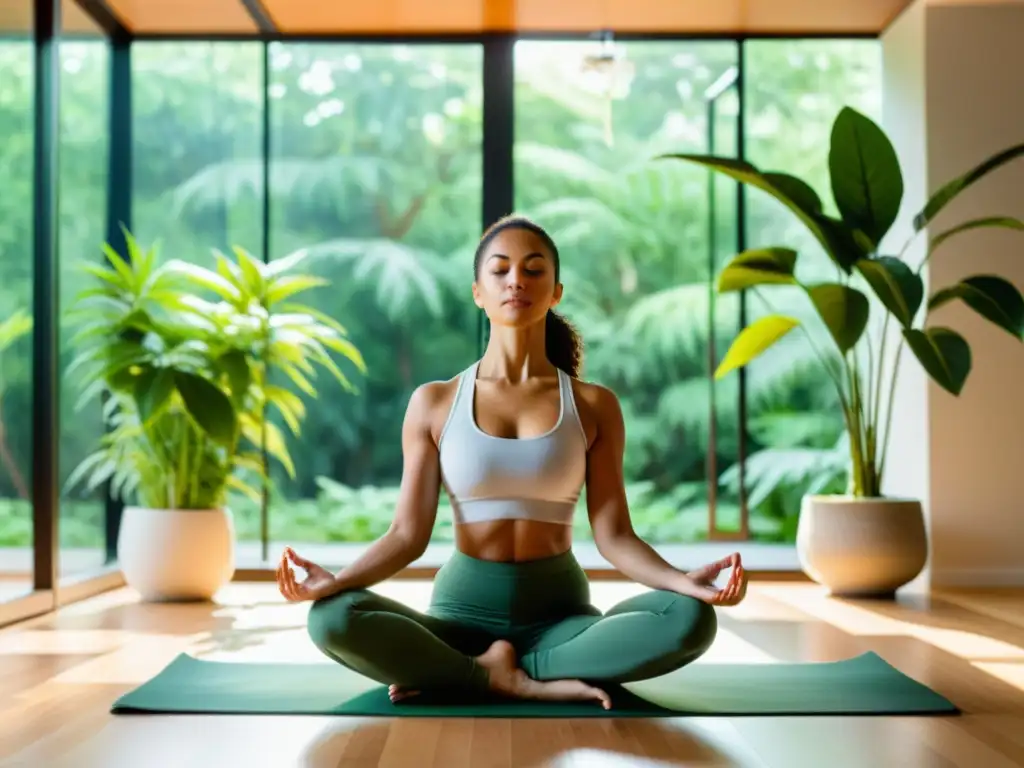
pixel 732 593
pixel 319 582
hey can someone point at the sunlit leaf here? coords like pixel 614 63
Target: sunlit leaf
pixel 754 340
pixel 762 266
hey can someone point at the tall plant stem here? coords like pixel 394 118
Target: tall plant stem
pixel 888 415
pixel 880 377
pixel 857 447
pixel 871 402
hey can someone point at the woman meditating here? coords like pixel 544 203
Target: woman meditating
pixel 512 440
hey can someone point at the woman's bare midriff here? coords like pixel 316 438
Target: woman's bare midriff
pixel 512 541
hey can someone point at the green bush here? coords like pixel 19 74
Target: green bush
pixel 343 514
pixel 80 525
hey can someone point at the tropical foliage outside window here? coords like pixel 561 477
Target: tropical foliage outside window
pixel 376 168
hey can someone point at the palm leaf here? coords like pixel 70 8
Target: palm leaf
pixel 401 275
pixel 301 178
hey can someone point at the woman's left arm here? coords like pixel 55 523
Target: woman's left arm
pixel 608 509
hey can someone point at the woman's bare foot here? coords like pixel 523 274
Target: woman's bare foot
pixel 506 678
pixel 396 693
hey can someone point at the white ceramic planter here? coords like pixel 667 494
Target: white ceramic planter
pixel 861 547
pixel 176 554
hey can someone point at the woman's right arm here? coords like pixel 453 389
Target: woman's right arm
pixel 407 537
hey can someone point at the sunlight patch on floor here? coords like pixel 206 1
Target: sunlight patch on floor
pixel 599 758
pixel 38 642
pixel 1009 672
pixel 730 648
pixel 134 663
pixel 861 621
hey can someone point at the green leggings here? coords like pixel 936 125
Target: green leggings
pixel 541 607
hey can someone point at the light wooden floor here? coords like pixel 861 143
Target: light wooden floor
pixel 59 675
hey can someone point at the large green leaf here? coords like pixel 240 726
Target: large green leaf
pixel 943 353
pixel 992 297
pixel 208 405
pixel 867 182
pixel 952 188
pixel 844 311
pixel 754 340
pixel 897 286
pixel 153 390
pixel 834 237
pixel 988 221
pixel 797 190
pixel 844 245
pixel 235 365
pixel 758 267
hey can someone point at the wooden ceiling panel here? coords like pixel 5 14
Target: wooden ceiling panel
pixel 73 19
pixel 416 17
pixel 16 18
pixel 317 17
pixel 186 17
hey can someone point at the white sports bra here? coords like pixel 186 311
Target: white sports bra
pixel 499 478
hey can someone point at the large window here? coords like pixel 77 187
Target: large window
pixel 16 248
pixel 793 91
pixel 197 130
pixel 638 238
pixel 82 206
pixel 375 169
pixel 368 157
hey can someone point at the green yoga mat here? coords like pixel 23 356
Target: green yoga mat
pixel 864 685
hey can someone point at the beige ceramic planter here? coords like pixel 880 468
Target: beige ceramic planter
pixel 176 554
pixel 861 547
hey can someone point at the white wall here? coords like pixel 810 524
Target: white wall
pixel 954 94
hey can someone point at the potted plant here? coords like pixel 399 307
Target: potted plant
pixel 187 391
pixel 864 542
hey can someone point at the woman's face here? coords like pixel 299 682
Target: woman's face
pixel 516 285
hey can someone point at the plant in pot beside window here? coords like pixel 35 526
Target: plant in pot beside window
pixel 186 391
pixel 864 543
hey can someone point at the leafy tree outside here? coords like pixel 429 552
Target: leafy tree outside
pixel 375 168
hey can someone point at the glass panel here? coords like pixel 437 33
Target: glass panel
pixel 794 89
pixel 83 157
pixel 197 112
pixel 16 249
pixel 724 462
pixel 198 137
pixel 376 171
pixel 634 238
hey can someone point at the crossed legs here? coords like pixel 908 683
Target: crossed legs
pixel 642 637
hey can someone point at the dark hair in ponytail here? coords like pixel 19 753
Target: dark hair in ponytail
pixel 562 341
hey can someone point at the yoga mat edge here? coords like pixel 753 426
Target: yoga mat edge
pixel 863 685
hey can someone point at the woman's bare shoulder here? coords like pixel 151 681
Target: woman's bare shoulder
pixel 431 403
pixel 595 403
